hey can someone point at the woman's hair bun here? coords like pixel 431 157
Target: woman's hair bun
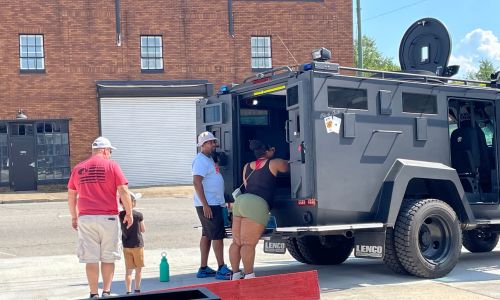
pixel 257 145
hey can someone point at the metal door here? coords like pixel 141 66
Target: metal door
pixel 22 158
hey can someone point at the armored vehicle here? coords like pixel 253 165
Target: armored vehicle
pixel 399 166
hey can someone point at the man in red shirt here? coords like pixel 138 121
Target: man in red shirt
pixel 94 213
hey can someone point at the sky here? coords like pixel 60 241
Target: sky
pixel 473 25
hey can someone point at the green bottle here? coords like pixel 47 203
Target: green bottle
pixel 164 268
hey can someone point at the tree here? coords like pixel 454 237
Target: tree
pixel 372 57
pixel 486 68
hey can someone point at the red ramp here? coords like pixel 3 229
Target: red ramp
pixel 296 286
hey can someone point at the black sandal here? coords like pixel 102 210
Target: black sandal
pixel 106 294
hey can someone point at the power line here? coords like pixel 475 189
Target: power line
pixel 394 10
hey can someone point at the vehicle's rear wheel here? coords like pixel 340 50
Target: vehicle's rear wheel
pixel 325 250
pixel 391 259
pixel 428 237
pixel 293 249
pixel 480 240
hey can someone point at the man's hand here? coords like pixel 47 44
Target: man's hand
pixel 207 212
pixel 74 223
pixel 129 220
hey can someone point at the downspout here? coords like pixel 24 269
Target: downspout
pixel 230 17
pixel 118 23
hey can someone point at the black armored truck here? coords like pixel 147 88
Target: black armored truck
pixel 400 166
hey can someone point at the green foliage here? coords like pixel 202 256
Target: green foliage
pixel 372 57
pixel 486 68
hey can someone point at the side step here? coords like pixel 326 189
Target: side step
pixel 331 228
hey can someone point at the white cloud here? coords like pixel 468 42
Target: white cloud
pixel 466 64
pixel 484 41
pixel 476 45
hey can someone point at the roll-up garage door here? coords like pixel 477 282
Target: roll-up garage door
pixel 155 137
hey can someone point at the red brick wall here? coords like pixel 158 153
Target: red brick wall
pixel 80 48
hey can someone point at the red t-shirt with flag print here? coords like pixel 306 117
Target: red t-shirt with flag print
pixel 96 180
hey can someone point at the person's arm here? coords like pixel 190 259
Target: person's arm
pixel 127 204
pixel 278 165
pixel 244 172
pixel 198 188
pixel 72 195
pixel 142 228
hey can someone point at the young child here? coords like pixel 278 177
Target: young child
pixel 133 246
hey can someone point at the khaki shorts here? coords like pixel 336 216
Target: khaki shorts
pixel 134 257
pixel 99 239
pixel 253 207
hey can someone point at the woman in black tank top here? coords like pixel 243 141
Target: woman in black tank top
pixel 251 210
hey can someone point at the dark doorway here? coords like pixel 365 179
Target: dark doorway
pixel 22 156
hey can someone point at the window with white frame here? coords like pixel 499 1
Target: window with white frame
pixel 261 52
pixel 151 52
pixel 31 54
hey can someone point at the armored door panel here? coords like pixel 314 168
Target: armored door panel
pixel 295 139
pixel 216 114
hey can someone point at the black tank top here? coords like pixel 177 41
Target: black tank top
pixel 261 183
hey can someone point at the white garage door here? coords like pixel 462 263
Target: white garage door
pixel 155 137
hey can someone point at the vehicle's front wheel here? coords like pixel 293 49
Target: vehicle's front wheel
pixel 325 250
pixel 428 237
pixel 480 240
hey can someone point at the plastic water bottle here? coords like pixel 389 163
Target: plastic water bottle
pixel 164 268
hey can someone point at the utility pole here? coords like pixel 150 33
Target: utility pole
pixel 360 48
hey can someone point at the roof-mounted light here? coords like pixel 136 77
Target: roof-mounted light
pixel 321 54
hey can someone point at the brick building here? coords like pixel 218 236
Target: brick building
pixel 71 65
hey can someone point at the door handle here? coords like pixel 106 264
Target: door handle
pixel 287 131
pixel 32 164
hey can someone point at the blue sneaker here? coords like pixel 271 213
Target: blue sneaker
pixel 224 273
pixel 208 272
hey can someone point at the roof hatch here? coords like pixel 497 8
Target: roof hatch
pixel 426 45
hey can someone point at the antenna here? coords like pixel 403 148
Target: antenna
pixel 287 49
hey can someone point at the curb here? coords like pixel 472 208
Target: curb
pixel 18 201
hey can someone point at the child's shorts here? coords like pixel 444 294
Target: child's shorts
pixel 134 257
pixel 253 207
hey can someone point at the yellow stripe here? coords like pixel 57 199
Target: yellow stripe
pixel 274 89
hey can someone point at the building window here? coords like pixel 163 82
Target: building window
pixel 52 146
pixel 261 53
pixel 151 53
pixel 4 156
pixel 31 54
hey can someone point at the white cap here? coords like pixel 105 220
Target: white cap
pixel 205 137
pixel 135 196
pixel 102 142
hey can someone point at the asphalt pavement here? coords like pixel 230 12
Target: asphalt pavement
pixel 60 276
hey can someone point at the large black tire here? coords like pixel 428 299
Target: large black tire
pixel 480 240
pixel 428 238
pixel 391 259
pixel 293 249
pixel 329 250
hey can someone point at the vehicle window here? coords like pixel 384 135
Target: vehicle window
pixel 488 134
pixel 212 114
pixel 292 95
pixel 347 98
pixel 254 116
pixel 419 103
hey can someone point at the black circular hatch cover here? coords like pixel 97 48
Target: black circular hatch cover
pixel 426 45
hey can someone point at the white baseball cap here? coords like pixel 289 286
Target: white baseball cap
pixel 135 196
pixel 102 142
pixel 205 137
